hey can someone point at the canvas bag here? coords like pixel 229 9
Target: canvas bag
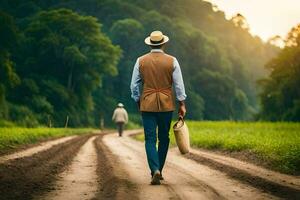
pixel 182 136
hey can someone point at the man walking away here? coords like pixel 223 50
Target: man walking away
pixel 120 117
pixel 157 72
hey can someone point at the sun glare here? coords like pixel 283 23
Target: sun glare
pixel 267 18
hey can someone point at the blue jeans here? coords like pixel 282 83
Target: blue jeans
pixel 151 120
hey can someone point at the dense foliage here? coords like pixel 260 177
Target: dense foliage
pixel 58 61
pixel 61 59
pixel 281 91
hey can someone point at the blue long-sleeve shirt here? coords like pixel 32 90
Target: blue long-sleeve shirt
pixel 178 84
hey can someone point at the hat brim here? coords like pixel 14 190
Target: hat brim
pixel 148 41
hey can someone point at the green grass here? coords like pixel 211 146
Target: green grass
pixel 132 125
pixel 277 144
pixel 13 137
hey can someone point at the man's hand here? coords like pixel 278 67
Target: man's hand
pixel 181 109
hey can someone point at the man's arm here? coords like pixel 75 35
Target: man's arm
pixel 135 83
pixel 179 88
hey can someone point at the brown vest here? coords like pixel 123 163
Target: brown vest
pixel 156 71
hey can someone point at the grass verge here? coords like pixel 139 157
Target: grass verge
pixel 13 137
pixel 276 145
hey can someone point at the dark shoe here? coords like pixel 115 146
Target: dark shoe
pixel 156 178
pixel 161 178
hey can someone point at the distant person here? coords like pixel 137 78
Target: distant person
pixel 120 117
pixel 157 72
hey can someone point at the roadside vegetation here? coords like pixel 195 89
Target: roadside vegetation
pixel 63 60
pixel 274 144
pixel 14 137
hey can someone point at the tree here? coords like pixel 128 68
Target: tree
pixel 293 37
pixel 276 40
pixel 57 54
pixel 281 95
pixel 66 55
pixel 8 77
pixel 129 34
pixel 240 21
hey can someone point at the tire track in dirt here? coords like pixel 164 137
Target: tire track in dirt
pixel 137 170
pixel 25 177
pixel 277 184
pixel 266 185
pixel 105 166
pixel 33 150
pixel 183 185
pixel 291 181
pixel 113 180
pixel 79 180
pixel 188 179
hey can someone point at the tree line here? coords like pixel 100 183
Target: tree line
pixel 75 58
pixel 280 96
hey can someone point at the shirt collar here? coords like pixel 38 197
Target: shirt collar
pixel 157 51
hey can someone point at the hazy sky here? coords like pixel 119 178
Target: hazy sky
pixel 265 17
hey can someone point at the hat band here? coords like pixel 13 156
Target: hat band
pixel 157 42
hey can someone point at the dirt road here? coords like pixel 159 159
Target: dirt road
pixel 105 166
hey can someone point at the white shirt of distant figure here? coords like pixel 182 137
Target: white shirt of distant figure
pixel 120 117
pixel 120 114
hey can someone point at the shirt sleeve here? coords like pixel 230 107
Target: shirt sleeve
pixel 178 82
pixel 136 82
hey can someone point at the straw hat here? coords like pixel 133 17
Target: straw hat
pixel 120 105
pixel 156 38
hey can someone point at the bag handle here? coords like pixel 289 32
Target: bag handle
pixel 181 118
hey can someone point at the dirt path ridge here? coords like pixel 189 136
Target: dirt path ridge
pixel 185 178
pixel 33 150
pixel 26 177
pixel 79 180
pixel 254 170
